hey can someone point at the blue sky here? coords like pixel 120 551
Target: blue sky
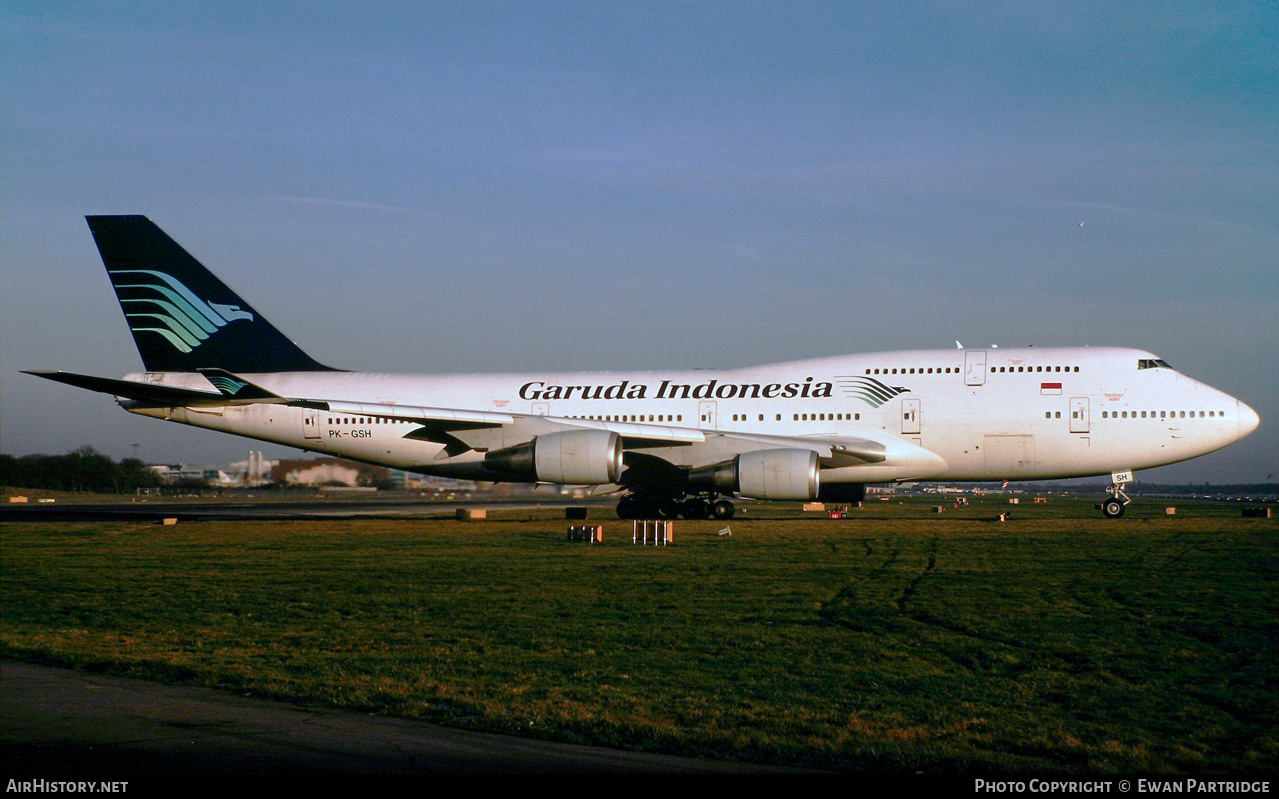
pixel 501 186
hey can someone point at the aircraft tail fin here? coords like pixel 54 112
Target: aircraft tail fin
pixel 184 318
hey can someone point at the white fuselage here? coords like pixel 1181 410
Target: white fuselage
pixel 940 414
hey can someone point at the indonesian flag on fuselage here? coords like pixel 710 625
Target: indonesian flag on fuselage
pixel 1050 388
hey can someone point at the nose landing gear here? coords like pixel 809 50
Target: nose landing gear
pixel 1113 508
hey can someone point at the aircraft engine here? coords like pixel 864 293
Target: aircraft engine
pixel 763 474
pixel 576 457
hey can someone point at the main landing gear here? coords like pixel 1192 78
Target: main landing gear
pixel 1113 508
pixel 650 505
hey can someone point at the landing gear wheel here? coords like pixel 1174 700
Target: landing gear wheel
pixel 1112 509
pixel 628 507
pixel 723 509
pixel 696 509
pixel 668 508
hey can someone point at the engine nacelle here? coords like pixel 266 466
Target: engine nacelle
pixel 575 457
pixel 764 474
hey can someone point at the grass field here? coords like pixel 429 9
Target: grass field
pixel 899 640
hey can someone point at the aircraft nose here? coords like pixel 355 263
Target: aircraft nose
pixel 1248 420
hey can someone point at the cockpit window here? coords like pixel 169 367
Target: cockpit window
pixel 1153 363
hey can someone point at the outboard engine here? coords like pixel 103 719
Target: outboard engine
pixel 576 457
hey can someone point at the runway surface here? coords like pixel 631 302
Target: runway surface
pixel 247 510
pixel 60 724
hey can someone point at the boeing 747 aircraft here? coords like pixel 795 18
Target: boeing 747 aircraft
pixel 669 443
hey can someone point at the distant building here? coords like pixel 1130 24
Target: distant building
pixel 252 471
pixel 323 471
pixel 328 471
pixel 175 472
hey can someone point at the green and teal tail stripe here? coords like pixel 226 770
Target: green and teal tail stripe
pixel 187 320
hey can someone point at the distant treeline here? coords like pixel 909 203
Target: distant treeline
pixel 85 469
pixel 1144 488
pixel 1214 488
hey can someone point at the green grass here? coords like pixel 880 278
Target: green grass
pixel 899 640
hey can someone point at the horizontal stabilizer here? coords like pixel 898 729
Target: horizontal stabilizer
pixel 154 394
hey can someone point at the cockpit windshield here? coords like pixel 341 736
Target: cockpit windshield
pixel 1153 363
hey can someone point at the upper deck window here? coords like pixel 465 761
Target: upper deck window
pixel 1152 363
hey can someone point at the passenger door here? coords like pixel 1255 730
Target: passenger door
pixel 1079 414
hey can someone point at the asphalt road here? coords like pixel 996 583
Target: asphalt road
pixel 202 510
pixel 62 724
